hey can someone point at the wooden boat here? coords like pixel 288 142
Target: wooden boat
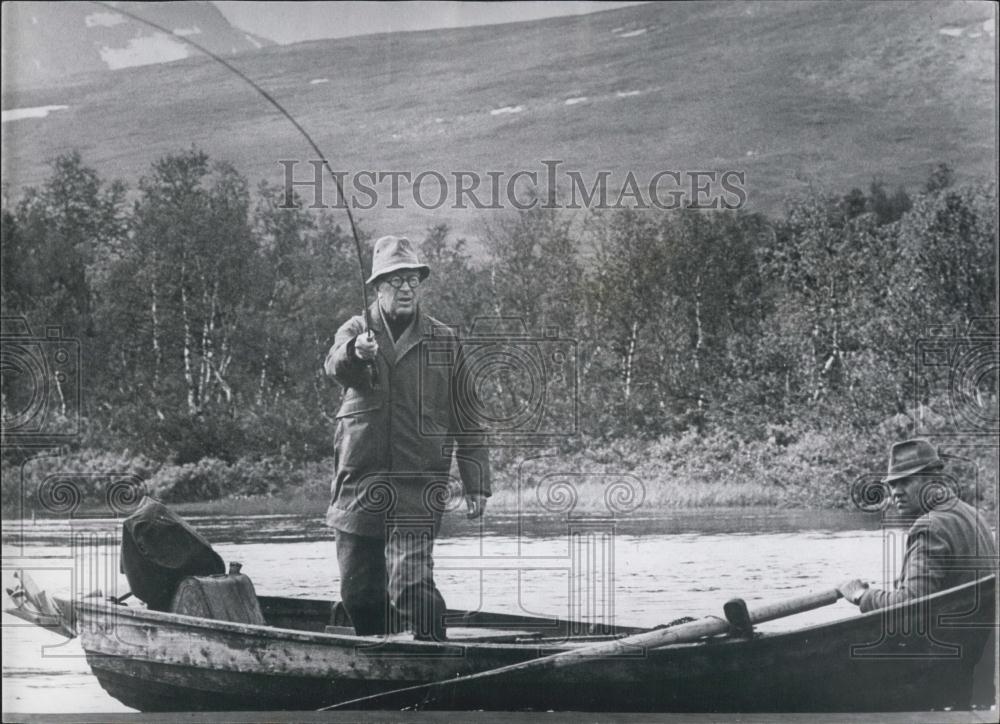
pixel 933 652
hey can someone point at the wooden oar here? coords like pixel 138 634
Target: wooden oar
pixel 657 638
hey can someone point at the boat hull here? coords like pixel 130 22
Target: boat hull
pixel 925 655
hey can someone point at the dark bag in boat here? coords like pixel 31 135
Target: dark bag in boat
pixel 159 549
pixel 223 598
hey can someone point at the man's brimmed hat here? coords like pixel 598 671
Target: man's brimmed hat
pixel 395 253
pixel 909 458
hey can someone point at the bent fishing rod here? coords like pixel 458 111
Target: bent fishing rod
pixel 298 127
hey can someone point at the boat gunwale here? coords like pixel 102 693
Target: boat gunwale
pixel 181 621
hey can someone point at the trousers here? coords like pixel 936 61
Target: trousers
pixel 387 583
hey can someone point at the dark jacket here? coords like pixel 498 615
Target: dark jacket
pixel 947 546
pixel 394 443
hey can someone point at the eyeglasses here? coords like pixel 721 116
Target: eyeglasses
pixel 396 281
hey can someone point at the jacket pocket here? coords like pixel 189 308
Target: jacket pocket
pixel 360 435
pixel 354 405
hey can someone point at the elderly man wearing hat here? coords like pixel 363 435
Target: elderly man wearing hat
pixel 949 542
pixel 397 431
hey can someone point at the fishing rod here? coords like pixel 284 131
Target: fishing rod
pixel 305 134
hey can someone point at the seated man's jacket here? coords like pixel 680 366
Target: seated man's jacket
pixel 947 546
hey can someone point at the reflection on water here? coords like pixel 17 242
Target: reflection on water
pixel 642 571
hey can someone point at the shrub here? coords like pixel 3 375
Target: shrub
pixel 203 480
pixel 211 478
pixel 62 482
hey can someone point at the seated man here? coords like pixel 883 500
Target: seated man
pixel 949 542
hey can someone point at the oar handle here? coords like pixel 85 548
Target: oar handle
pixel 810 601
pixel 709 626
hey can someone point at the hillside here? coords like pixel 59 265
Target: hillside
pixel 792 93
pixel 46 41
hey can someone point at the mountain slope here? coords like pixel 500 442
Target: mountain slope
pixel 791 93
pixel 48 41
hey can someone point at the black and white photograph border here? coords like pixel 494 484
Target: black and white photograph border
pixel 369 361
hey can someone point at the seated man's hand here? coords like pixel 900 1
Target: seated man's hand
pixel 853 590
pixel 476 505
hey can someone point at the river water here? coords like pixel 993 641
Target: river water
pixel 635 570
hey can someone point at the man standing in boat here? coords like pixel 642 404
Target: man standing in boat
pixel 949 542
pixel 397 431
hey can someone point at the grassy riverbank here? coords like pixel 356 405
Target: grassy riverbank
pixel 238 507
pixel 557 496
pixel 809 471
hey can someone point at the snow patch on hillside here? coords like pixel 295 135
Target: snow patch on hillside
pixel 16 114
pixel 975 30
pixel 505 110
pixel 193 30
pixel 574 101
pixel 100 20
pixel 253 41
pixel 634 33
pixel 318 81
pixel 158 48
pixel 627 94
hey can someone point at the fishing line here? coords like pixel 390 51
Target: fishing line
pixel 281 109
